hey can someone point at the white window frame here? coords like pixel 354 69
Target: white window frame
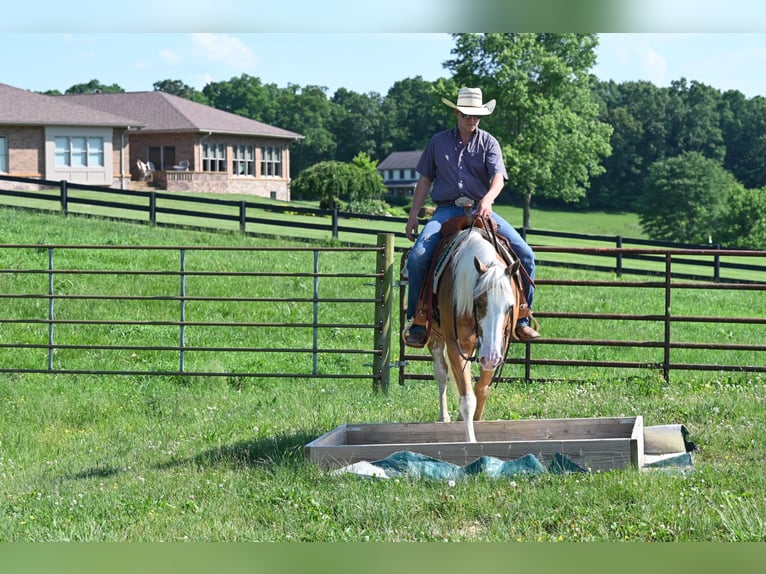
pixel 78 151
pixel 271 161
pixel 243 160
pixel 214 157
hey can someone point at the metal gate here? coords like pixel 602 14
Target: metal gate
pixel 666 342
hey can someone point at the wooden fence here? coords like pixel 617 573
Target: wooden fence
pixel 263 219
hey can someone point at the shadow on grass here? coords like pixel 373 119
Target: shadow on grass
pixel 266 453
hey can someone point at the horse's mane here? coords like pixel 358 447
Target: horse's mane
pixel 468 285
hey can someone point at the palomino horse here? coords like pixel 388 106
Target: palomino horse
pixel 477 300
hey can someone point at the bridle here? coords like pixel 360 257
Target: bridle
pixel 507 336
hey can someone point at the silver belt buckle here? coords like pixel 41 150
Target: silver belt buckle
pixel 465 202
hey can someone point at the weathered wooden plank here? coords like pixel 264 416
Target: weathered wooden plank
pixel 594 443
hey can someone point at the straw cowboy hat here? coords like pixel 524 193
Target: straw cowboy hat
pixel 470 103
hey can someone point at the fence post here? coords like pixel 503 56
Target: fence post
pixel 64 198
pixel 335 223
pixel 666 350
pixel 619 256
pixel 381 375
pixel 717 265
pixel 152 208
pixel 242 216
pixel 51 314
pixel 315 328
pixel 182 332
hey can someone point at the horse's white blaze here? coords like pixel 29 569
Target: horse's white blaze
pixel 491 327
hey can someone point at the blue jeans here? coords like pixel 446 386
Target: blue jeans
pixel 419 259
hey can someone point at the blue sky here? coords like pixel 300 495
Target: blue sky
pixel 365 62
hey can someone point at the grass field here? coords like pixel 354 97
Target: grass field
pixel 141 458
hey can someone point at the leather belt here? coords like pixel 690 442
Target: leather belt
pixel 461 201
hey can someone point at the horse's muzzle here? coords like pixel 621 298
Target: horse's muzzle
pixel 491 360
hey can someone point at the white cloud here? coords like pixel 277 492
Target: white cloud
pixel 223 48
pixel 653 65
pixel 170 56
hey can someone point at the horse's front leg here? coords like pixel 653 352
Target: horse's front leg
pixel 461 369
pixel 441 373
pixel 481 390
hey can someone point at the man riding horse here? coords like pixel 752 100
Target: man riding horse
pixel 460 166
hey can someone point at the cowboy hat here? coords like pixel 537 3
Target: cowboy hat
pixel 470 103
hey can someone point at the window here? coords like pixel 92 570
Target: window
pixel 271 162
pixel 76 151
pixel 243 162
pixel 3 154
pixel 213 157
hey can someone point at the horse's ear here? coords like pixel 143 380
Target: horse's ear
pixel 480 267
pixel 513 269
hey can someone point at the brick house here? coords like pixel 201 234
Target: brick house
pixel 49 138
pixel 399 173
pixel 226 153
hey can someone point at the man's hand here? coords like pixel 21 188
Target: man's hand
pixel 484 208
pixel 412 228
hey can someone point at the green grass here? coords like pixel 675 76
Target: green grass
pixel 141 458
pixel 156 459
pixel 593 223
pixel 282 226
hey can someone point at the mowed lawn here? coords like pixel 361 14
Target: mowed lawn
pixel 142 458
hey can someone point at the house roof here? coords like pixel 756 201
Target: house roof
pixel 160 111
pixel 401 160
pixel 25 108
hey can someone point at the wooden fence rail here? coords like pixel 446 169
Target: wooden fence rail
pixel 258 218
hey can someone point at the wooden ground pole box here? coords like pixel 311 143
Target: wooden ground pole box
pixel 593 443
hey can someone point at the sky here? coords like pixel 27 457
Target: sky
pixel 361 62
pixel 365 47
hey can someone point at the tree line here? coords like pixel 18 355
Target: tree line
pixel 688 158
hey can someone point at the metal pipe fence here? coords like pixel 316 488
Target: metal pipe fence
pixel 286 312
pixel 584 329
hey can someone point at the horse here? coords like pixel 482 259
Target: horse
pixel 477 296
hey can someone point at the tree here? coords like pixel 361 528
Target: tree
pixel 685 198
pixel 308 111
pixel 94 87
pixel 637 112
pixel 335 182
pixel 246 96
pixel 694 120
pixel 413 112
pixel 178 88
pixel 546 119
pixel 356 124
pixel 744 225
pixel 744 126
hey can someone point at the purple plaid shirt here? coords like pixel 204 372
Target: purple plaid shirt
pixel 456 169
